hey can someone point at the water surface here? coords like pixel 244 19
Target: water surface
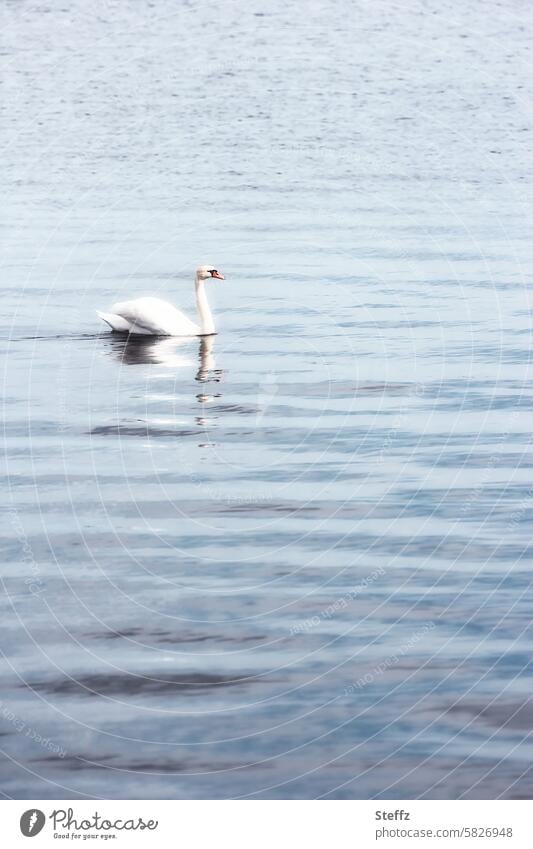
pixel 292 560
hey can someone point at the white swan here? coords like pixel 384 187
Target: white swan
pixel 154 317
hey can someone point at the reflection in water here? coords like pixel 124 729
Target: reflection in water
pixel 157 350
pixel 205 374
pixel 165 351
pixel 207 370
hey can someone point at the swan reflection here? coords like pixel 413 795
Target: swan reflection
pixel 208 370
pixel 151 350
pixel 174 353
pixel 168 351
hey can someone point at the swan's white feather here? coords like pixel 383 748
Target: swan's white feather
pixel 152 316
pixel 116 322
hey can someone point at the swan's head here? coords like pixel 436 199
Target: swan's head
pixel 204 272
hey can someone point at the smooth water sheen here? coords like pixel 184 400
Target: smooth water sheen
pixel 292 560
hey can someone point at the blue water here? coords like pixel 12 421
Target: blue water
pixel 293 560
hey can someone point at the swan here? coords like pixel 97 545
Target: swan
pixel 154 317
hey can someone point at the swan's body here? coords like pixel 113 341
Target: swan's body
pixel 150 317
pixel 154 317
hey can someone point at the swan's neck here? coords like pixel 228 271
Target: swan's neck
pixel 207 325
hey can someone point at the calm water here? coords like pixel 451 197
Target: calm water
pixel 293 560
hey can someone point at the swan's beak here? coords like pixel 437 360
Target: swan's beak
pixel 218 275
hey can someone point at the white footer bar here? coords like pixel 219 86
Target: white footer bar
pixel 269 824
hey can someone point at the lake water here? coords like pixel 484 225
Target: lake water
pixel 292 560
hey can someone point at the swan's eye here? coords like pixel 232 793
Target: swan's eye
pixel 213 271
